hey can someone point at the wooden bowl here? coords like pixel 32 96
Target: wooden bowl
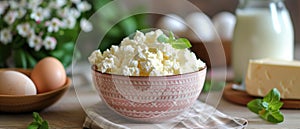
pixel 30 103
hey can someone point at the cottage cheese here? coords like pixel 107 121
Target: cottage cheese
pixel 145 56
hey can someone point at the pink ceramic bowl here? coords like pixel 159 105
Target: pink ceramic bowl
pixel 149 99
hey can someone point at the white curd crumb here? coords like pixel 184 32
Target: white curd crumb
pixel 145 56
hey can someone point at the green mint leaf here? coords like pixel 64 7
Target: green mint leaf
pixel 38 122
pixel 37 117
pixel 272 116
pixel 275 117
pixel 268 108
pixel 273 96
pixel 178 46
pixel 171 34
pixel 33 125
pixel 162 38
pixel 265 105
pixel 44 125
pixel 255 105
pixel 180 43
pixel 185 41
pixel 275 106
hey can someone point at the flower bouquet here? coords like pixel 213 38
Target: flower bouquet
pixel 33 29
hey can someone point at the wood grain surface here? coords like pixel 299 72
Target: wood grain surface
pixel 242 98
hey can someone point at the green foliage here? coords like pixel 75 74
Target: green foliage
pixel 38 122
pixel 180 43
pixel 121 29
pixel 213 86
pixel 268 108
pixel 64 52
pixel 5 53
pixel 18 52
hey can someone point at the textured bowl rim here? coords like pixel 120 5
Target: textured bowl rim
pixel 94 67
pixel 26 71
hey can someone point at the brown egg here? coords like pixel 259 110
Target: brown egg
pixel 48 74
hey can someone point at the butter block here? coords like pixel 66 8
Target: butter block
pixel 265 74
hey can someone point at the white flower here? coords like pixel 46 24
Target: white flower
pixel 53 25
pixel 37 14
pixel 63 12
pixel 22 3
pixel 21 12
pixel 5 36
pixel 74 12
pixel 85 25
pixel 32 4
pixel 69 22
pixel 35 42
pixel 13 4
pixel 3 6
pixel 67 12
pixel 52 4
pixel 83 6
pixel 75 1
pixel 60 3
pixel 10 17
pixel 50 43
pixel 56 4
pixel 46 13
pixel 24 29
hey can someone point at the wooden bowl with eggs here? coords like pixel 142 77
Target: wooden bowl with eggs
pixel 29 103
pixel 26 90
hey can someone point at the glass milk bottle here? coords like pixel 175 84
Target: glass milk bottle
pixel 263 30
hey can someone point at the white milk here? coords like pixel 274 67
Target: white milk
pixel 261 33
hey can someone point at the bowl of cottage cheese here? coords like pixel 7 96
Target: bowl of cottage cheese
pixel 147 79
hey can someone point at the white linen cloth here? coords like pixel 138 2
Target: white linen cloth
pixel 199 116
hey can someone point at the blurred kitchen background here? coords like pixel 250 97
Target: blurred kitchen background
pixel 114 20
pixel 211 9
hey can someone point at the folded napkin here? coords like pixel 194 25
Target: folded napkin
pixel 200 116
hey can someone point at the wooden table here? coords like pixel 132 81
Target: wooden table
pixel 69 111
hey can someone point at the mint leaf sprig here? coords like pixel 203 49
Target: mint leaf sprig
pixel 38 122
pixel 180 43
pixel 268 108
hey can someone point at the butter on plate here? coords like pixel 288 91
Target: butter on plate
pixel 265 74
